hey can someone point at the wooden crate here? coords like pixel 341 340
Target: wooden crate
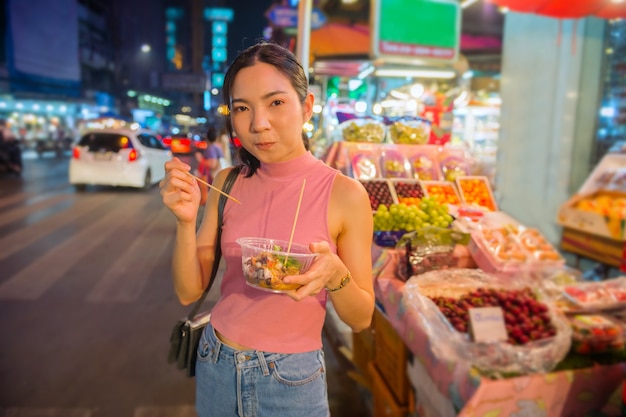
pixel 363 354
pixel 384 402
pixel 391 355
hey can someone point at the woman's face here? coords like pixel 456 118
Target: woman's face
pixel 267 114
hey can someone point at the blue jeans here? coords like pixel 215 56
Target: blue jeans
pixel 250 383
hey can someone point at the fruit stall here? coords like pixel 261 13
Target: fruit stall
pixel 594 219
pixel 477 314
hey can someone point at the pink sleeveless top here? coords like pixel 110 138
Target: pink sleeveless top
pixel 259 319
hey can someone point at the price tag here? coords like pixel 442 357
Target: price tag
pixel 487 324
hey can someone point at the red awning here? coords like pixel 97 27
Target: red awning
pixel 567 9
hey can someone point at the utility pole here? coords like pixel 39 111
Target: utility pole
pixel 304 33
pixel 197 49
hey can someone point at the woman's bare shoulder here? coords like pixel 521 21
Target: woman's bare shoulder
pixel 349 192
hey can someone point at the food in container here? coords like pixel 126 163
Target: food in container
pixel 595 333
pixel 453 164
pixel 596 296
pixel 265 262
pixel 379 192
pixel 423 167
pixel 442 191
pixel 410 132
pixel 365 166
pixel 476 191
pixel 363 130
pixel 393 164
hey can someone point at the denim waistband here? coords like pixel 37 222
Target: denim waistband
pixel 242 358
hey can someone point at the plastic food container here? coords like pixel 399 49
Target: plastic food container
pixel 595 333
pixel 393 164
pixel 264 266
pixel 363 130
pixel 476 191
pixel 410 132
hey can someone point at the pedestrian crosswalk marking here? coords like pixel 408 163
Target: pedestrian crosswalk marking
pixel 35 279
pixel 23 237
pixel 116 285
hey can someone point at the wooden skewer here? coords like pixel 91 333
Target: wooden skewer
pixel 295 219
pixel 215 188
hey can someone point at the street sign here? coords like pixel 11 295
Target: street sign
pixel 286 17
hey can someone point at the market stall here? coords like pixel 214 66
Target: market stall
pixel 440 244
pixel 593 219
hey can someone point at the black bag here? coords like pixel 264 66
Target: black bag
pixel 186 334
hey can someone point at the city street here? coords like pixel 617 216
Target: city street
pixel 87 306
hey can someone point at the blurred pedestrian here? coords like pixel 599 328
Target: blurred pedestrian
pixel 210 160
pixel 10 150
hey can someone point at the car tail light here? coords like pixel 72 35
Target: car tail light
pixel 133 155
pixel 201 145
pixel 167 141
pixel 185 142
pixel 76 153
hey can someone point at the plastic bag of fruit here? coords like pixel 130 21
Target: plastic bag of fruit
pixel 430 248
pixel 539 336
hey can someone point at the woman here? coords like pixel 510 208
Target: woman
pixel 261 355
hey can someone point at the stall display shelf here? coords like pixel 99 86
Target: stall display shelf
pixel 449 389
pixel 593 219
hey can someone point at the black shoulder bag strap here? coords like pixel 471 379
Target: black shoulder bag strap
pixel 228 183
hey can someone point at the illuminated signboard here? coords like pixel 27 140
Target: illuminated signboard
pixel 417 29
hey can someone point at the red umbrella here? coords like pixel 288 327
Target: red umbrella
pixel 607 9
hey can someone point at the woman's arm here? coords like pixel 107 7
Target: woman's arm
pixel 193 253
pixel 351 226
pixel 355 302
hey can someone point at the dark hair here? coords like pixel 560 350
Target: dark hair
pixel 283 60
pixel 211 134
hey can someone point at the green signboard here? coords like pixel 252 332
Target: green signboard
pixel 422 29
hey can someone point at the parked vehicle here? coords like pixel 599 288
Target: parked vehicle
pixel 58 146
pixel 182 144
pixel 118 157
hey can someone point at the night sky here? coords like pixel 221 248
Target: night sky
pixel 248 24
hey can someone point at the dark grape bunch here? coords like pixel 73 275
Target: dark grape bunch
pixel 408 189
pixel 378 192
pixel 526 318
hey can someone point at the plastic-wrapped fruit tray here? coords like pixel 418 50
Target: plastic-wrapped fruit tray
pixel 476 191
pixel 407 189
pixel 380 191
pixel 393 164
pixel 443 192
pixel 501 244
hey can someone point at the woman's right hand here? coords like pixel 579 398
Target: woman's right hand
pixel 180 191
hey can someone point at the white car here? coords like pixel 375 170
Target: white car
pixel 118 157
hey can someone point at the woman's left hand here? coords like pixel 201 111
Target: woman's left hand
pixel 326 267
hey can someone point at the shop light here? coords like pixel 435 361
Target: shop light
pixel 3 105
pixel 467 3
pixel 360 106
pixel 462 100
pixel 391 103
pixel 417 90
pixel 399 95
pixel 317 109
pixel 377 108
pixel 366 72
pixel 608 112
pixel 467 75
pixel 19 106
pixel 416 73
